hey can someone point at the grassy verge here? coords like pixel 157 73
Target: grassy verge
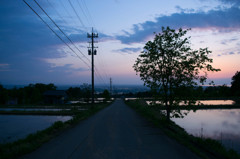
pixel 33 141
pixel 205 148
pixel 19 112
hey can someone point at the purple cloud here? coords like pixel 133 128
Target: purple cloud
pixel 129 50
pixel 227 19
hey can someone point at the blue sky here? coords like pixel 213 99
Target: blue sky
pixel 30 52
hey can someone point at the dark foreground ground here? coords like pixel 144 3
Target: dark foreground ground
pixel 115 132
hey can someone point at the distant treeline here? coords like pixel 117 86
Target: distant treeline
pixel 31 94
pixel 192 92
pixel 34 93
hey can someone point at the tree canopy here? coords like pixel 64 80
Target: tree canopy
pixel 31 94
pixel 168 63
pixel 235 88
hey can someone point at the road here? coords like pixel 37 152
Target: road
pixel 116 132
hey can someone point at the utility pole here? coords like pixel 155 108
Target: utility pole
pixel 92 51
pixel 110 86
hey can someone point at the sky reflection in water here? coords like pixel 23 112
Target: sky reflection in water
pixel 203 102
pixel 223 125
pixel 14 127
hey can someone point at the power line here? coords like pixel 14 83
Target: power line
pixel 98 75
pixel 102 63
pixel 67 12
pixel 88 13
pixel 56 11
pixel 90 17
pixel 64 7
pixel 60 30
pixel 76 13
pixel 83 11
pixel 54 32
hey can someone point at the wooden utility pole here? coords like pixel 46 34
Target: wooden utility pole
pixel 92 51
pixel 110 87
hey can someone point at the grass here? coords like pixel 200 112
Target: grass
pixel 33 141
pixel 205 148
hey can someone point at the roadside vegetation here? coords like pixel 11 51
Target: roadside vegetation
pixel 204 147
pixel 33 141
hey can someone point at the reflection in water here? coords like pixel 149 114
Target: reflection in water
pixel 222 125
pixel 14 127
pixel 32 109
pixel 202 102
pixel 217 102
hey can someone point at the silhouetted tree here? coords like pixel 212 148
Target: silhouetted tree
pixel 74 93
pixel 3 95
pixel 235 88
pixel 217 91
pixel 86 91
pixel 106 95
pixel 168 63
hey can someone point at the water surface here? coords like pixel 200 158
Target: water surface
pixel 14 127
pixel 33 109
pixel 220 124
pixel 202 102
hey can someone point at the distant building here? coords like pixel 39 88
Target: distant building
pixel 55 97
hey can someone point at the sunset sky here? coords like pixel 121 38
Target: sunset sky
pixel 31 53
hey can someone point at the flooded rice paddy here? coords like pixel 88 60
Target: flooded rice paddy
pixel 14 127
pixel 220 124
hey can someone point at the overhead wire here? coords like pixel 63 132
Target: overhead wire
pixel 83 11
pixel 89 15
pixel 56 11
pixel 84 3
pixel 61 30
pixel 65 9
pixel 76 14
pixel 103 64
pixel 68 12
pixel 54 32
pixel 98 74
pixel 78 17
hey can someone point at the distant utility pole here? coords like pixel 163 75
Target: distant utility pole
pixel 110 86
pixel 92 51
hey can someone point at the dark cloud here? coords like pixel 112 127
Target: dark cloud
pixel 233 2
pixel 227 19
pixel 227 53
pixel 227 41
pixel 68 68
pixel 24 42
pixel 231 53
pixel 129 50
pixel 184 10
